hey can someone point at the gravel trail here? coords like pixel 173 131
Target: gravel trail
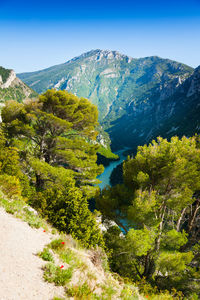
pixel 21 276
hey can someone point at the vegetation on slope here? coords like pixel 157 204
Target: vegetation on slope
pixel 4 73
pixel 53 137
pixel 15 90
pixel 158 208
pixel 14 93
pixel 48 158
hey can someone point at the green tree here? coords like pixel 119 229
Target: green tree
pixel 64 204
pixel 159 206
pixel 59 129
pixel 56 138
pixel 10 171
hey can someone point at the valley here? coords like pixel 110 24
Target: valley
pixel 52 148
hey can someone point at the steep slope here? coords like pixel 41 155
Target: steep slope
pixel 21 270
pixel 185 107
pixel 171 110
pixel 67 270
pixel 12 88
pixel 125 89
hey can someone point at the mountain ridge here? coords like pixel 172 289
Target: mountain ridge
pixel 123 88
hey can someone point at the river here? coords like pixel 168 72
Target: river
pixel 105 176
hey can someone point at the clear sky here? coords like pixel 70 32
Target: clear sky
pixel 38 34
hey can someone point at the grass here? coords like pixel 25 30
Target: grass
pixel 46 255
pixel 57 244
pixel 20 209
pixel 53 273
pixel 82 291
pixel 67 256
pixel 129 292
pixel 108 291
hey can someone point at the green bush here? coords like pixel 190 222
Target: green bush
pixel 57 275
pixel 80 291
pixel 57 244
pixel 46 255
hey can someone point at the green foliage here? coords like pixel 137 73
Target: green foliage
pixel 56 244
pixel 172 263
pixel 72 213
pixel 174 240
pixel 106 152
pixel 18 93
pixel 10 185
pixel 160 200
pixel 13 181
pixel 46 255
pixel 82 291
pixel 56 136
pixel 59 276
pixel 59 129
pixel 140 241
pixel 4 74
pixel 129 292
pixel 20 209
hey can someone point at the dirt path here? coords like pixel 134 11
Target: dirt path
pixel 20 268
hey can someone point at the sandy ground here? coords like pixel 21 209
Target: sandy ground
pixel 20 268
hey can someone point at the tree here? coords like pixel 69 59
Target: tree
pixel 56 138
pixel 58 128
pixel 160 206
pixel 10 171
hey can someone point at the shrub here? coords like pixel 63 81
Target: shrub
pixel 46 255
pixel 57 275
pixel 57 244
pixel 80 291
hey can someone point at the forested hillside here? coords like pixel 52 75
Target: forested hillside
pixel 158 208
pixel 150 232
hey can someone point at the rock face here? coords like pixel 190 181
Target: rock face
pixel 9 80
pixel 12 88
pixel 135 97
pixel 185 106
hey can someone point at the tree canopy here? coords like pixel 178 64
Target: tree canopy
pixel 59 129
pixel 56 140
pixel 159 207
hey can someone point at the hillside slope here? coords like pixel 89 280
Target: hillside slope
pixel 185 103
pixel 21 270
pixel 67 270
pixel 125 89
pixel 12 88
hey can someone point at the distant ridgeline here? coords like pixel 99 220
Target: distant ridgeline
pixel 136 98
pixel 12 88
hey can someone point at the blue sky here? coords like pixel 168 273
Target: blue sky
pixel 38 34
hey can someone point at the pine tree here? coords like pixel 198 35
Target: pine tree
pixel 159 206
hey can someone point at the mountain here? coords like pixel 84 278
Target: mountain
pixel 12 88
pixel 130 93
pixel 185 104
pixel 172 109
